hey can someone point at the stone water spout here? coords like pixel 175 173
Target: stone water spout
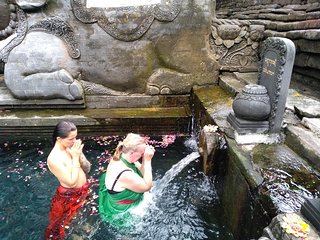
pixel 209 140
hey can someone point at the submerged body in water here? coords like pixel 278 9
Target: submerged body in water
pixel 182 204
pixel 115 203
pixel 65 204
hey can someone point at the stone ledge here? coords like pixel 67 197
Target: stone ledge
pixel 230 84
pixel 302 105
pixel 136 101
pixel 175 120
pixel 9 102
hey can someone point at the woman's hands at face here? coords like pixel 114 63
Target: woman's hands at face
pixel 148 153
pixel 76 149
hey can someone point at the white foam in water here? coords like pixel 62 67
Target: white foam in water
pixel 192 144
pixel 158 186
pixel 149 203
pixel 255 138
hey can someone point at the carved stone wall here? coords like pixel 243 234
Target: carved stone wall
pixel 154 50
pixel 298 20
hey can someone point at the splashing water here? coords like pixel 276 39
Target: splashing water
pixel 161 184
pixel 150 198
pixel 183 203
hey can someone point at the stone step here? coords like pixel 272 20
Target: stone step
pixel 151 121
pixel 247 77
pixel 7 101
pixel 233 83
pixel 302 105
pixel 303 136
pixel 136 101
pixel 230 84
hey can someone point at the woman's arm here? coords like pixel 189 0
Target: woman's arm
pixel 85 164
pixel 133 181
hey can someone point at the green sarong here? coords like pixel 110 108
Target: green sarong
pixel 112 204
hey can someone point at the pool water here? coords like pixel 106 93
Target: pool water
pixel 183 203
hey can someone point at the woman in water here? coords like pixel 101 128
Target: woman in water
pixel 126 179
pixel 67 162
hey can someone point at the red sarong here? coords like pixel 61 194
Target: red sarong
pixel 64 205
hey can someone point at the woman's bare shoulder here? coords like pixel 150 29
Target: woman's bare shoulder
pixel 115 168
pixel 55 157
pixel 115 164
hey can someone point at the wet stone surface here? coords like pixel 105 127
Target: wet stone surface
pixel 288 179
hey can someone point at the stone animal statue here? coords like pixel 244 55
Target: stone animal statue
pixel 64 50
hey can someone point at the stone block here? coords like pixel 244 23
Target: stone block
pixel 313 124
pixel 305 143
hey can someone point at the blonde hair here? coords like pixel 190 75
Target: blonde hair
pixel 130 143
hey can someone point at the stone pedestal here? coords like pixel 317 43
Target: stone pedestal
pixel 243 126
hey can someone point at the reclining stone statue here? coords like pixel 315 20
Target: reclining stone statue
pixel 63 50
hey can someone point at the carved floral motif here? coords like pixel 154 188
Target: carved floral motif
pixel 235 43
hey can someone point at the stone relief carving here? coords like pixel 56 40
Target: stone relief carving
pixel 236 43
pixel 17 27
pixel 126 23
pixel 8 20
pixel 169 62
pixel 98 89
pixel 14 33
pixel 61 29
